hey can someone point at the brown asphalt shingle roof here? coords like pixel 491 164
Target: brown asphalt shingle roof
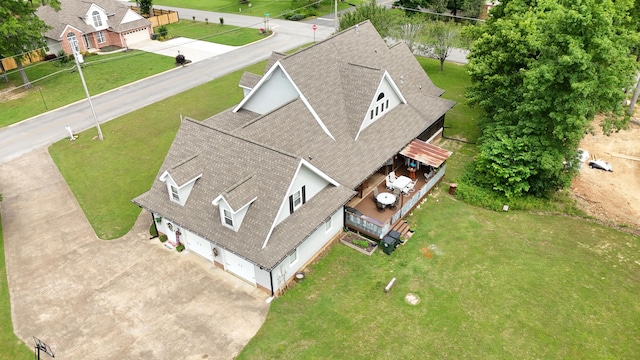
pixel 256 155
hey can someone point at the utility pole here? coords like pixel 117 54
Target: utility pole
pixel 76 56
pixel 336 15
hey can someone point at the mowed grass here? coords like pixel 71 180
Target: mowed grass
pixel 492 286
pixel 213 32
pixel 257 8
pixel 59 86
pixel 106 175
pixel 11 348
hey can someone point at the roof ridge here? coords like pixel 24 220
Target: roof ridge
pixel 240 137
pixel 364 66
pixel 340 33
pixel 237 184
pixel 184 161
pixel 269 113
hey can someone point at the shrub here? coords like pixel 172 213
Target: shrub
pixel 362 243
pixel 163 238
pixel 163 31
pixel 50 57
pixel 180 248
pixel 63 58
pixel 297 17
pixel 153 231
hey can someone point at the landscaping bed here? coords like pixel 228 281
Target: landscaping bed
pixel 359 243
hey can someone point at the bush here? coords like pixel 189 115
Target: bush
pixel 63 58
pixel 180 248
pixel 153 231
pixel 297 17
pixel 163 31
pixel 50 57
pixel 163 238
pixel 362 243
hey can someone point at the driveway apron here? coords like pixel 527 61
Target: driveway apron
pixel 129 298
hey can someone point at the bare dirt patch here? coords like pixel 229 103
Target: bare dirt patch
pixel 612 197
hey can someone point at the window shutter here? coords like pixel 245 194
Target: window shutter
pixel 304 195
pixel 290 204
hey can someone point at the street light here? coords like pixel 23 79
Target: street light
pixel 77 57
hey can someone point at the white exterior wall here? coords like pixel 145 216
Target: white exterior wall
pixel 308 249
pixel 313 184
pixel 394 100
pixel 53 46
pixel 276 91
pixel 103 17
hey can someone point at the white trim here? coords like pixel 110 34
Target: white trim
pixel 266 77
pixel 365 123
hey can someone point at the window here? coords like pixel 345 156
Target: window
pixel 97 20
pixel 380 96
pixel 101 38
pixel 175 195
pixel 328 224
pixel 293 257
pixel 228 217
pixel 297 199
pixel 73 42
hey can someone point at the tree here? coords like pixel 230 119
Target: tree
pixel 381 19
pixel 441 38
pixel 21 31
pixel 145 7
pixel 472 8
pixel 542 69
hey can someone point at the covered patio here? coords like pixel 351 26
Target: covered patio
pixel 399 185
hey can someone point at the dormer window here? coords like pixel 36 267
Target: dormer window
pixel 97 20
pixel 228 217
pixel 382 104
pixel 175 195
pixel 297 199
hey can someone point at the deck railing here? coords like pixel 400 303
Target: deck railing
pixel 368 225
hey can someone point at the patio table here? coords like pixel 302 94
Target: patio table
pixel 386 198
pixel 401 182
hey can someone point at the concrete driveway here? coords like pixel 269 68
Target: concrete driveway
pixel 194 50
pixel 129 298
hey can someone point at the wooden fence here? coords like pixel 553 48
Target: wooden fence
pixel 10 63
pixel 160 17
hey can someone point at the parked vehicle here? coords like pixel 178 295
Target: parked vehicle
pixel 600 164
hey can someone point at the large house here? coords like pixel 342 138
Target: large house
pixel 92 24
pixel 262 188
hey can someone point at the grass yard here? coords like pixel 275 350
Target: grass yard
pixel 214 32
pixel 11 348
pixel 105 176
pixel 257 8
pixel 493 286
pixel 102 73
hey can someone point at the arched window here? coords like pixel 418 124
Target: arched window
pixel 73 42
pixel 380 96
pixel 97 20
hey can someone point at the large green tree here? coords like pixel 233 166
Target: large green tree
pixel 381 19
pixel 21 30
pixel 542 69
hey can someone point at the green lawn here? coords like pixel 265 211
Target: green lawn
pixel 11 348
pixel 257 8
pixel 213 32
pixel 105 176
pixel 496 286
pixel 102 73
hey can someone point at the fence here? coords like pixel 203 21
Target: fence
pixel 10 63
pixel 160 17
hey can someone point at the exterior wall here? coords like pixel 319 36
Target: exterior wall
pixel 390 94
pixel 432 130
pixel 65 43
pixel 276 91
pixel 53 46
pixel 307 251
pixel 313 184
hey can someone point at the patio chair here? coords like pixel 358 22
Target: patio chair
pixel 380 206
pixel 388 183
pixel 375 193
pixel 392 176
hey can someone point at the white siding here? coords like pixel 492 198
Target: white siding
pixel 390 94
pixel 130 16
pixel 312 183
pixel 276 91
pixel 307 250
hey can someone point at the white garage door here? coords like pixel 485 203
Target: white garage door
pixel 199 246
pixel 136 36
pixel 240 267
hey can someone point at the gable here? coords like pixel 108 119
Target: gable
pixel 130 16
pixel 96 17
pixel 386 97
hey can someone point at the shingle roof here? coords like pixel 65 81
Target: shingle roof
pixel 244 153
pixel 71 11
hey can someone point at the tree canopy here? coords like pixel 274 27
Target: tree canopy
pixel 542 69
pixel 21 30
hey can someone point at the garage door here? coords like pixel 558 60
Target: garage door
pixel 136 36
pixel 240 267
pixel 199 246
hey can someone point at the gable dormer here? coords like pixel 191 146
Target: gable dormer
pixel 386 97
pixel 130 16
pixel 96 17
pixel 180 179
pixel 234 203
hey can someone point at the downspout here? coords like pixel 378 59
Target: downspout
pixel 271 280
pixel 153 221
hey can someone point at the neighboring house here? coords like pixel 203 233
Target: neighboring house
pixel 262 188
pixel 91 25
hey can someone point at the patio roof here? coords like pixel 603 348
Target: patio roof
pixel 426 153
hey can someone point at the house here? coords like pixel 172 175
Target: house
pixel 262 188
pixel 92 24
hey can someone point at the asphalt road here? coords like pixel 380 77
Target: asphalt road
pixel 45 129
